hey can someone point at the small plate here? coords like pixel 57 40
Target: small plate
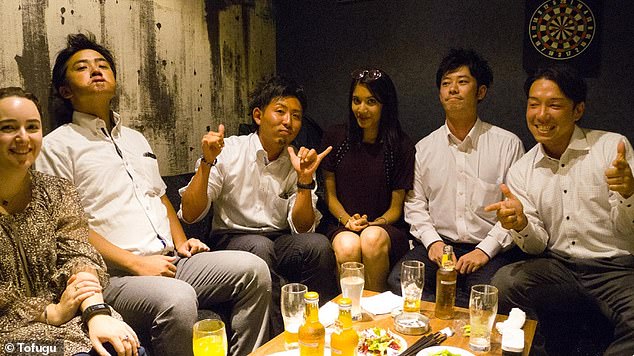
pixel 434 349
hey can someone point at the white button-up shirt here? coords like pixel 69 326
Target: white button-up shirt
pixel 249 192
pixel 118 180
pixel 569 207
pixel 454 181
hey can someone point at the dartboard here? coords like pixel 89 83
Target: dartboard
pixel 562 29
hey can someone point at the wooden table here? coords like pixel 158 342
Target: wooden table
pixel 387 322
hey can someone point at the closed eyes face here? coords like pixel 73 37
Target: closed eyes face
pixel 20 132
pixel 366 108
pixel 88 73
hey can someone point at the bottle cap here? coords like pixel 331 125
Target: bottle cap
pixel 311 296
pixel 345 301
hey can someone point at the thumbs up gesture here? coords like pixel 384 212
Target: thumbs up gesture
pixel 510 211
pixel 619 175
pixel 212 143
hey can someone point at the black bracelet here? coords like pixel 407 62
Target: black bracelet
pixel 310 186
pixel 95 309
pixel 204 161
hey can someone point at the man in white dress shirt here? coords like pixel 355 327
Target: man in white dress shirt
pixel 263 193
pixel 570 201
pixel 457 172
pixel 159 278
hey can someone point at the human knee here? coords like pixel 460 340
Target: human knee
pixel 347 247
pixel 178 305
pixel 374 240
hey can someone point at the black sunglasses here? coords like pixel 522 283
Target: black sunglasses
pixel 367 74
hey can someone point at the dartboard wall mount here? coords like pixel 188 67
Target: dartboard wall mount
pixel 563 31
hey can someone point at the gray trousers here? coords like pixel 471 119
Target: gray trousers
pixel 165 309
pixel 543 285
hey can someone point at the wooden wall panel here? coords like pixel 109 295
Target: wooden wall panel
pixel 183 65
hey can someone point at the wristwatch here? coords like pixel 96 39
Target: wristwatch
pixel 95 309
pixel 310 186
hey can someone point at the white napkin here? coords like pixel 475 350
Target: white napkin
pixel 328 313
pixel 382 303
pixel 516 320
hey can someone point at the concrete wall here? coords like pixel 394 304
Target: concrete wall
pixel 321 42
pixel 183 65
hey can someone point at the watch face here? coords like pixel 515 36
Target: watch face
pixel 562 29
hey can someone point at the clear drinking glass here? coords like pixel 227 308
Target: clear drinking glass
pixel 210 338
pixel 412 282
pixel 292 300
pixel 352 282
pixel 483 308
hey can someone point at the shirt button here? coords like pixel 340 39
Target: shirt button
pixel 573 242
pixel 563 165
pixel 565 191
pixel 567 217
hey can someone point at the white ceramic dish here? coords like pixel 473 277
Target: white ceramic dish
pixel 434 349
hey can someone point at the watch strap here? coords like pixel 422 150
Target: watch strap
pixel 310 186
pixel 95 309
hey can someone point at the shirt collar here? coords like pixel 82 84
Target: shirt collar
pixel 578 142
pixel 95 124
pixel 260 152
pixel 470 141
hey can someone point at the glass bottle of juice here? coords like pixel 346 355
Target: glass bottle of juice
pixel 446 277
pixel 312 334
pixel 344 341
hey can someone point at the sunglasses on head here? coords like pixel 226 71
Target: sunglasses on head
pixel 367 74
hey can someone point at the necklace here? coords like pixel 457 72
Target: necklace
pixel 6 201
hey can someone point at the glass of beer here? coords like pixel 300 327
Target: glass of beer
pixel 352 283
pixel 412 282
pixel 292 305
pixel 210 338
pixel 483 308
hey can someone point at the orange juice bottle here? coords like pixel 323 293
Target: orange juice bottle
pixel 312 334
pixel 344 341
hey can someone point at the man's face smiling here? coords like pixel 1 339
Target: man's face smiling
pixel 279 123
pixel 88 74
pixel 551 116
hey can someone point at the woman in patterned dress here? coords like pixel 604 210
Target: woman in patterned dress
pixel 49 273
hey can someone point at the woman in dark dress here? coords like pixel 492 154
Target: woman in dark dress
pixel 367 176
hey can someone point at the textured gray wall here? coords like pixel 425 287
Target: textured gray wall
pixel 183 65
pixel 321 42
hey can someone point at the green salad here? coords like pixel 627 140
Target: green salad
pixel 444 353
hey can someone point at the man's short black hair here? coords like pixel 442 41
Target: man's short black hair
pixel 458 57
pixel 275 87
pixel 567 78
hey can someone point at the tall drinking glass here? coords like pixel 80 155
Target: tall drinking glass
pixel 483 308
pixel 412 282
pixel 352 282
pixel 292 300
pixel 210 338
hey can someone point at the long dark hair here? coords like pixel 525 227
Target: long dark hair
pixel 390 133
